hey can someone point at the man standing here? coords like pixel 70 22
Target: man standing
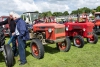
pixel 22 35
pixel 12 26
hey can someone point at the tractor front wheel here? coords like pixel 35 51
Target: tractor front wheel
pixel 93 39
pixel 78 41
pixel 64 46
pixel 8 54
pixel 37 48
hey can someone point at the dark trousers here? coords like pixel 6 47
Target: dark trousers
pixel 21 49
pixel 14 46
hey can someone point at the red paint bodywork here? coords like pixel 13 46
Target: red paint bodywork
pixel 97 22
pixel 58 30
pixel 84 28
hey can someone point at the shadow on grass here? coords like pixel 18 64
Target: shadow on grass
pixel 28 44
pixel 2 57
pixel 50 49
pixel 85 42
pixel 99 37
pixel 14 61
pixel 28 53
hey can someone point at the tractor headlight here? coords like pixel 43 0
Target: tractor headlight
pixel 49 30
pixel 84 29
pixel 66 28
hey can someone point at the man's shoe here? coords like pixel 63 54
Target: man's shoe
pixel 22 63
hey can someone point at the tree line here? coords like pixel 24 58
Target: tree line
pixel 56 14
pixel 86 10
pixel 65 13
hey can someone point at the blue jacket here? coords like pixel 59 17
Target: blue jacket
pixel 22 29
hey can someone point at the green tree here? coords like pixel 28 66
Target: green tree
pixel 46 14
pixel 98 9
pixel 74 12
pixel 40 15
pixel 86 10
pixel 81 10
pixel 57 14
pixel 65 13
pixel 36 11
pixel 49 13
pixel 93 11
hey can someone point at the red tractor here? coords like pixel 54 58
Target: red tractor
pixel 50 33
pixel 97 23
pixel 80 29
pixel 6 27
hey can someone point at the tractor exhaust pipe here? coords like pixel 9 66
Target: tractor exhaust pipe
pixel 78 15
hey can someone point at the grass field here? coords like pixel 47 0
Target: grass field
pixel 88 56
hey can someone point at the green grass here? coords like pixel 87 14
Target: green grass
pixel 88 56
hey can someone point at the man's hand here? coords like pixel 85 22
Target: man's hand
pixel 13 33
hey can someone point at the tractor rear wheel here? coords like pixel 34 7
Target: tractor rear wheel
pixel 78 41
pixel 64 46
pixel 37 48
pixel 93 40
pixel 8 54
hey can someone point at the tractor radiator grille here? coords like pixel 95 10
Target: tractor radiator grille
pixel 90 33
pixel 59 30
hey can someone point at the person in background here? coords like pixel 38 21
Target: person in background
pixel 22 34
pixel 12 26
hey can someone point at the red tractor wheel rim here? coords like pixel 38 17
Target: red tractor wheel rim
pixel 35 49
pixel 77 41
pixel 62 45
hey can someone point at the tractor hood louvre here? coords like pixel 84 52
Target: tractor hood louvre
pixel 55 25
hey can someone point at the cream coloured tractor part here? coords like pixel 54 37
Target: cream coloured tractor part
pixel 29 18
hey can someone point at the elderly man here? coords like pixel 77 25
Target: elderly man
pixel 22 34
pixel 12 26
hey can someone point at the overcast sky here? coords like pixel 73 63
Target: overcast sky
pixel 21 6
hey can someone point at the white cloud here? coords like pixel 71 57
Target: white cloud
pixel 21 6
pixel 25 5
pixel 46 6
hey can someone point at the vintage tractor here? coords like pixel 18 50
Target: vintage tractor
pixel 49 32
pixel 97 22
pixel 6 49
pixel 6 27
pixel 80 29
